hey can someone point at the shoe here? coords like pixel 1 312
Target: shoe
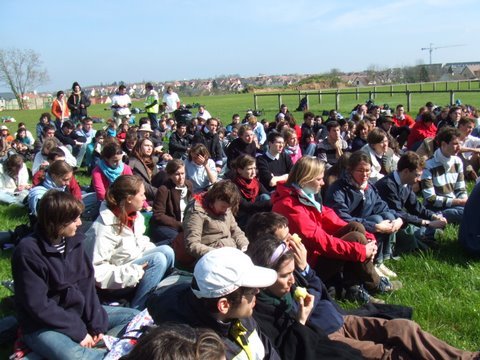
pixel 388 286
pixel 378 270
pixel 387 272
pixel 358 293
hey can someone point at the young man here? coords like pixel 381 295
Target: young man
pixel 221 297
pixel 121 103
pixel 171 101
pixel 77 144
pixel 396 190
pixel 443 182
pixel 403 124
pixel 208 136
pixel 151 104
pixel 330 149
pixel 469 149
pixel 180 142
pixel 274 165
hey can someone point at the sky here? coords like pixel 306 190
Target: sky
pixel 103 41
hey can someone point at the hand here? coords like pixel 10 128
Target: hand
pixel 384 227
pixel 144 265
pixel 219 169
pixel 20 187
pixel 299 253
pixel 88 341
pixel 371 250
pixel 397 224
pixel 305 308
pixel 202 160
pixel 438 224
pixel 97 338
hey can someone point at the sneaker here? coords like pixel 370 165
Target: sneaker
pixel 358 293
pixel 386 271
pixel 388 286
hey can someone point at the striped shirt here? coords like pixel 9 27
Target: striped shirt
pixel 442 181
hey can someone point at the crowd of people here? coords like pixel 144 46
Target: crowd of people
pixel 250 212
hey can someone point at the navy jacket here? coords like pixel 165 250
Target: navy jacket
pixel 351 205
pixel 56 291
pixel 402 200
pixel 469 234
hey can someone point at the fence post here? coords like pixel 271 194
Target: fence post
pixel 299 96
pixel 255 104
pixel 369 95
pixel 374 92
pixel 308 101
pixel 356 93
pixel 435 86
pixel 406 87
pixel 319 96
pixel 452 97
pixel 446 85
pixel 391 90
pixel 421 86
pixel 469 84
pixel 337 100
pixel 279 100
pixel 458 84
pixel 409 100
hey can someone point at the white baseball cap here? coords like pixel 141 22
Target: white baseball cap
pixel 222 271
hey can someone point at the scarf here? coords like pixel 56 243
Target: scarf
pixel 291 150
pixel 307 199
pixel 354 184
pixel 48 183
pixel 129 220
pixel 110 173
pixel 285 303
pixel 248 188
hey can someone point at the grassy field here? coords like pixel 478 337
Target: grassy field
pixel 442 286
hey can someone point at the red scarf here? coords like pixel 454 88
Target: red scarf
pixel 130 220
pixel 248 188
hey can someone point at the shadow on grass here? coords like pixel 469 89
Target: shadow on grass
pixel 449 252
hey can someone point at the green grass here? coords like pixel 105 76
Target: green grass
pixel 442 286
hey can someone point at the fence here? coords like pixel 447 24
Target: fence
pixel 374 92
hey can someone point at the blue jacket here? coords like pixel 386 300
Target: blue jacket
pixel 56 291
pixel 351 205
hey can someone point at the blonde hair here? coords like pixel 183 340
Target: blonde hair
pixel 305 170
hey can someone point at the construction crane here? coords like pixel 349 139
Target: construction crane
pixel 431 48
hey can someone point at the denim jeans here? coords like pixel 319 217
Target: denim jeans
pixel 385 242
pixel 162 235
pixel 310 149
pixel 54 345
pixel 159 259
pixel 453 214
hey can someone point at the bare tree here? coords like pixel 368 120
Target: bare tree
pixel 21 71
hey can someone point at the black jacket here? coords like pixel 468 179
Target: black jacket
pixel 74 101
pixel 239 147
pixel 212 142
pixel 69 139
pixel 56 291
pixel 178 145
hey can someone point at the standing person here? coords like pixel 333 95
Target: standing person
pixel 152 104
pixel 122 256
pixel 170 203
pixel 171 101
pixel 59 313
pixel 60 109
pixel 443 181
pixel 221 297
pixel 77 103
pixel 121 103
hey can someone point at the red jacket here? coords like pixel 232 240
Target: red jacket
pixel 408 121
pixel 419 132
pixel 315 227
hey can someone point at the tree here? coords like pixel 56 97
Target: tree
pixel 21 70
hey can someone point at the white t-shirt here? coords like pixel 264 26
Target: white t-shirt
pixel 122 100
pixel 171 100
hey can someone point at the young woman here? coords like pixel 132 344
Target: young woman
pixel 383 159
pixel 94 150
pixel 253 195
pixel 292 147
pixel 59 313
pixel 334 245
pixel 144 164
pixel 200 169
pixel 209 220
pixel 109 168
pixel 243 144
pixel 169 205
pixel 123 257
pixel 361 133
pixel 354 199
pixel 14 184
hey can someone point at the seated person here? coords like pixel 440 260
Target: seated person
pixel 220 297
pixel 469 232
pixel 469 149
pixel 279 313
pixel 383 159
pixel 170 203
pixel 361 133
pixel 253 195
pixel 49 143
pixel 209 221
pixel 396 190
pixel 59 313
pixel 14 180
pixel 109 168
pixel 243 144
pixel 443 182
pixel 424 128
pixel 77 144
pixel 274 165
pixel 335 246
pixel 180 142
pixel 122 256
pixel 354 198
pixel 292 147
pixel 200 169
pixel 330 149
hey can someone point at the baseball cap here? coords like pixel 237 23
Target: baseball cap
pixel 222 271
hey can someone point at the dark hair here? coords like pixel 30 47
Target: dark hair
pixel 76 84
pixel 399 106
pixel 56 210
pixel 264 223
pixel 47 127
pixel 360 126
pixel 453 109
pixel 465 120
pixel 428 116
pixel 376 136
pixel 307 115
pixel 199 149
pixel 173 165
pixel 273 135
pixel 117 194
pixel 243 129
pixel 59 168
pixel 332 124
pixel 261 252
pixel 84 120
pixel 68 125
pixel 356 158
pixel 111 149
pixel 446 134
pixel 411 161
pixel 54 153
pixel 121 87
pixel 59 93
pixel 224 190
pixel 177 342
pixel 242 162
pixel 211 304
pixel 13 164
pixel 47 115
